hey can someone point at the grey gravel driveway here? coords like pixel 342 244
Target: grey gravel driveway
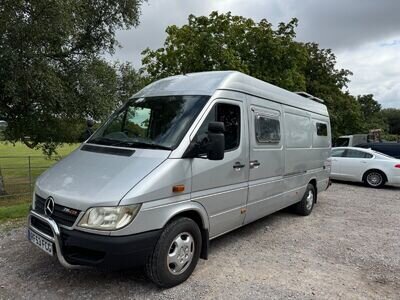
pixel 348 248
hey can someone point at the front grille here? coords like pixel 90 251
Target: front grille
pixel 59 215
pixel 41 226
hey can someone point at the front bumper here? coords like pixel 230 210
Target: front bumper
pixel 76 249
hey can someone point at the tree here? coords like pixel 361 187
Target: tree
pixel 226 42
pixel 129 81
pixel 51 73
pixel 369 105
pixel 392 117
pixel 371 111
pixel 326 82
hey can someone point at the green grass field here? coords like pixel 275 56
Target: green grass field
pixel 20 166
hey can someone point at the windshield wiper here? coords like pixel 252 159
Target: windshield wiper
pixel 141 145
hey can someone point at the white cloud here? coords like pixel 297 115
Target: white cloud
pixel 376 68
pixel 156 16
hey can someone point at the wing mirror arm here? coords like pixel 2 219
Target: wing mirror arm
pixel 194 151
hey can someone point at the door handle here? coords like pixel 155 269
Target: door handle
pixel 238 166
pixel 254 164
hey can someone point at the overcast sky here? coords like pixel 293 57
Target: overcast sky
pixel 364 34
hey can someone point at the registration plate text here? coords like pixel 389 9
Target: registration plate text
pixel 42 243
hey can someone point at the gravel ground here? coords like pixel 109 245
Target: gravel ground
pixel 349 248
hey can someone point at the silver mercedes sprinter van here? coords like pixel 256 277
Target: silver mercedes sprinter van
pixel 185 160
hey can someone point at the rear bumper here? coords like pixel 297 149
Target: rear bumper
pixel 394 180
pixel 75 249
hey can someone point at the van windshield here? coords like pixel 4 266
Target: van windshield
pixel 151 122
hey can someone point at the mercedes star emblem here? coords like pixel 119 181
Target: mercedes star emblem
pixel 49 206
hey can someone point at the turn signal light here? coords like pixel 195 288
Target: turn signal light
pixel 178 188
pixel 397 166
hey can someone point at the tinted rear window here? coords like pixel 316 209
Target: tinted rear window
pixel 388 149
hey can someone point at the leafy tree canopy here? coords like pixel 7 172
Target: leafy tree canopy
pixel 51 73
pixel 392 117
pixel 371 112
pixel 227 42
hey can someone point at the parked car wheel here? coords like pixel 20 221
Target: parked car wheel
pixel 374 178
pixel 176 253
pixel 306 205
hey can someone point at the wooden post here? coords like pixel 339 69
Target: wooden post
pixel 30 175
pixel 2 187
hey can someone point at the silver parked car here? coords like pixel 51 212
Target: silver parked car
pixel 185 160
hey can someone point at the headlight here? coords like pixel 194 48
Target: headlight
pixel 109 218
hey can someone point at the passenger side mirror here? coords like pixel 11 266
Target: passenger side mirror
pixel 216 137
pixel 211 146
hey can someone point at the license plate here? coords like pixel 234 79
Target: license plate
pixel 42 243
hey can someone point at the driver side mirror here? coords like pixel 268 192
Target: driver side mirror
pixel 216 137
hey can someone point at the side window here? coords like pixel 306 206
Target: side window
pixel 357 154
pixel 337 152
pixel 267 129
pixel 229 114
pixel 322 129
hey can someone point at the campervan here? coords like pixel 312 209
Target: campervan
pixel 185 160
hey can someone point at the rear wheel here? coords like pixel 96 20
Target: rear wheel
pixel 374 179
pixel 306 205
pixel 176 253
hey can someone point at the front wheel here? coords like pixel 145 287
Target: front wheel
pixel 306 205
pixel 176 253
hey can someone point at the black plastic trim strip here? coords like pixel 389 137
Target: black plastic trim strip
pixel 107 150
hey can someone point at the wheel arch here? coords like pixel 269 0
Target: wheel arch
pixel 385 178
pixel 313 182
pixel 200 217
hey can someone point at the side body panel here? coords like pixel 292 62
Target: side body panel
pixel 160 203
pixel 284 168
pixel 306 153
pixel 321 152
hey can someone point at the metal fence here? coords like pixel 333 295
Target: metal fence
pixel 18 175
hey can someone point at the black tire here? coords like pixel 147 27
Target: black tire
pixel 157 268
pixel 305 207
pixel 374 178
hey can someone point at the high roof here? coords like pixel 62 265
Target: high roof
pixel 207 83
